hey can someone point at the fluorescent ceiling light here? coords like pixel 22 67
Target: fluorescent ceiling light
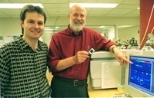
pixel 96 5
pixel 50 28
pixel 101 26
pixel 125 26
pixel 18 5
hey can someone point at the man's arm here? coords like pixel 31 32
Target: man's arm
pixel 4 73
pixel 112 48
pixel 78 58
pixel 120 56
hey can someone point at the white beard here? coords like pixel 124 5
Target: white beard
pixel 76 27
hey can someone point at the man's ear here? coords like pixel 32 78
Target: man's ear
pixel 21 23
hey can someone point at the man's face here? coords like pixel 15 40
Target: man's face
pixel 33 25
pixel 77 19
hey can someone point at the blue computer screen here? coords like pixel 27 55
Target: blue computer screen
pixel 141 74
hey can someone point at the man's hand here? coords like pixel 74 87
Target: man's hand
pixel 80 57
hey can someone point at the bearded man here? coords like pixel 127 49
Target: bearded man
pixel 69 58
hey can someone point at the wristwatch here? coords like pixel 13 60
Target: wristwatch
pixel 113 49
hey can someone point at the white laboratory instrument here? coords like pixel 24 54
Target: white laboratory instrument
pixel 105 70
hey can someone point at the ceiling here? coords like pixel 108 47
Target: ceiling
pixel 58 8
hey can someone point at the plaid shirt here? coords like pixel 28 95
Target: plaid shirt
pixel 23 71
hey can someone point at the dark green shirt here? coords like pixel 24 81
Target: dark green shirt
pixel 23 71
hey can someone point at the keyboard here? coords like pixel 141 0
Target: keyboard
pixel 121 96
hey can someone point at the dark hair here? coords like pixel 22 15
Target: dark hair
pixel 31 8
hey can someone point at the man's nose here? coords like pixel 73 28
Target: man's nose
pixel 36 25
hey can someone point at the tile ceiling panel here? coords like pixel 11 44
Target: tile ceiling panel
pixel 89 10
pixel 110 1
pixel 127 6
pixel 57 11
pixel 4 1
pixel 3 15
pixel 131 2
pixel 24 1
pixel 51 5
pixel 132 14
pixel 122 11
pixel 54 1
pixel 10 13
pixel 100 11
pixel 83 1
pixel 113 15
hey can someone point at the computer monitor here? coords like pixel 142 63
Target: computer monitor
pixel 139 79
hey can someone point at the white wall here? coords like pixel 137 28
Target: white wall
pixel 10 26
pixel 129 32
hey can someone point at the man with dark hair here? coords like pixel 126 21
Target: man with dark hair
pixel 23 63
pixel 69 57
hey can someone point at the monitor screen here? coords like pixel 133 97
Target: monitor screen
pixel 140 75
